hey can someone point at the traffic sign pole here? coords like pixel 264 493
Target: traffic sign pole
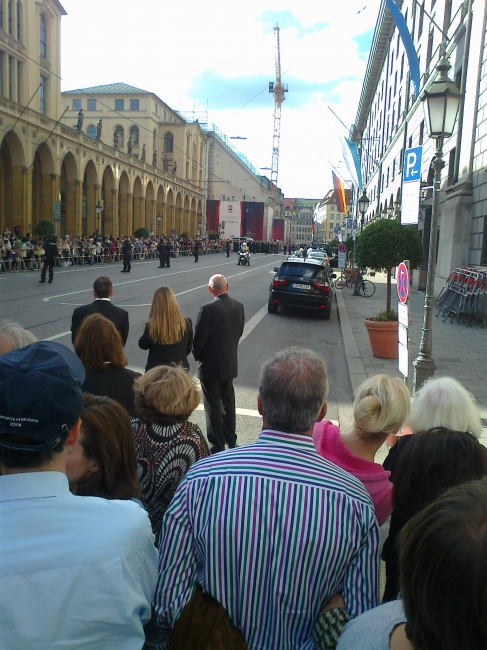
pixel 402 276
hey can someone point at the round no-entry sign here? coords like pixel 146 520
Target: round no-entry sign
pixel 402 282
pixel 342 248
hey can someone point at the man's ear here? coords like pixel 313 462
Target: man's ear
pixel 73 433
pixel 259 405
pixel 322 412
pixel 94 293
pixel 111 293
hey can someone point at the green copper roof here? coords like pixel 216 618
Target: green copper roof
pixel 109 89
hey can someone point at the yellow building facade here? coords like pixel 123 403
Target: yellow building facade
pixel 49 167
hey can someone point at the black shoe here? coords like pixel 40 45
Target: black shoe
pixel 42 282
pixel 124 271
pixel 49 282
pixel 160 267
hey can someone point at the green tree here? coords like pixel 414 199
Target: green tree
pixel 384 244
pixel 141 232
pixel 44 228
pixel 334 242
pixel 183 235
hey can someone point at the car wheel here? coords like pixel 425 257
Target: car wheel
pixel 272 307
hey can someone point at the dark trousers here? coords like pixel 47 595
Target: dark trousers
pixel 48 263
pixel 167 260
pixel 195 253
pixel 126 261
pixel 219 402
pixel 161 259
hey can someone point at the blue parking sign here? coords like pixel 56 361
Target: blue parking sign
pixel 411 170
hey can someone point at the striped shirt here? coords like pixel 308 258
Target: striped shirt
pixel 271 530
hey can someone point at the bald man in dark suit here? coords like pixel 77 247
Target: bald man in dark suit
pixel 218 329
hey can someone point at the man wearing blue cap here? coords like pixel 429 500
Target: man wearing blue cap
pixel 75 572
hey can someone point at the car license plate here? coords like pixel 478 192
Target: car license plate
pixel 301 286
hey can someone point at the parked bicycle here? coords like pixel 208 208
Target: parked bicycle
pixel 355 279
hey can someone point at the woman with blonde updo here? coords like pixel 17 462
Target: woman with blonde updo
pixel 380 408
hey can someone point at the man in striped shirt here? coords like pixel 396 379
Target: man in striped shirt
pixel 272 530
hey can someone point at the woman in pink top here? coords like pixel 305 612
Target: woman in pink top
pixel 380 408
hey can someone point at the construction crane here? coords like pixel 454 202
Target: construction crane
pixel 277 88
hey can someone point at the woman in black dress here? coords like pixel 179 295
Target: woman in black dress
pixel 99 346
pixel 168 335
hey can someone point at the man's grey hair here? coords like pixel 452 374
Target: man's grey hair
pixel 14 336
pixel 293 386
pixel 218 283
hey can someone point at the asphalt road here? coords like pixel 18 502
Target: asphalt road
pixel 46 310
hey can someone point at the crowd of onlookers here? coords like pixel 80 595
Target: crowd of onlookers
pixel 267 546
pixel 20 253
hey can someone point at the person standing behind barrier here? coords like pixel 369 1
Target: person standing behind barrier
pixel 127 255
pixel 50 252
pixel 218 329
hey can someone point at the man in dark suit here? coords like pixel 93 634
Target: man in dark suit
pixel 127 255
pixel 218 329
pixel 103 291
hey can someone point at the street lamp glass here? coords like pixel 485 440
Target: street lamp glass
pixel 363 203
pixel 441 103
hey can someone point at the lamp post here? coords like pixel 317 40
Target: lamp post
pixel 159 219
pixel 363 205
pixel 99 210
pixel 441 102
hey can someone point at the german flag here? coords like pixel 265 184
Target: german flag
pixel 339 193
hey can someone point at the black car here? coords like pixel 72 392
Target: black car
pixel 302 283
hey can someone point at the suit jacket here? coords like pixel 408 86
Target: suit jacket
pixel 117 383
pixel 166 355
pixel 118 316
pixel 218 329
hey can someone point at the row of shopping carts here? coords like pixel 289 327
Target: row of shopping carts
pixel 461 296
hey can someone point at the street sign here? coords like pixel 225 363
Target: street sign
pixel 173 231
pixel 342 248
pixel 402 314
pixel 403 360
pixel 411 177
pixel 342 260
pixel 402 279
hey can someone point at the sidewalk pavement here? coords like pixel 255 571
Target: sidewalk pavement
pixel 459 350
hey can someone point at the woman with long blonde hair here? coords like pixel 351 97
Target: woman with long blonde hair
pixel 168 335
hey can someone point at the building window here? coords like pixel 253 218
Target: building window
pixel 119 104
pixel 10 18
pixel 42 94
pixel 76 104
pixel 164 116
pixel 168 143
pixel 1 14
pixel 421 133
pixel 134 104
pixel 43 36
pixel 19 21
pixel 451 167
pixel 421 20
pixel 118 136
pixel 154 140
pixel 11 61
pixel 91 131
pixel 155 109
pixel 92 105
pixel 19 82
pixel 134 135
pixel 429 51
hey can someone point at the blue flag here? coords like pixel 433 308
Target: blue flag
pixel 407 42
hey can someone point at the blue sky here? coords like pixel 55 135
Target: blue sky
pixel 221 55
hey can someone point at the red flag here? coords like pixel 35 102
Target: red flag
pixel 339 186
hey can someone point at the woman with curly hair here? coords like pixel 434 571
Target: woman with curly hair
pixel 99 346
pixel 168 335
pixel 166 443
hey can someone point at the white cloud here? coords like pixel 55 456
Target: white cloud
pixel 168 48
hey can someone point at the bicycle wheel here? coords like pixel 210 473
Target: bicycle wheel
pixel 340 283
pixel 366 288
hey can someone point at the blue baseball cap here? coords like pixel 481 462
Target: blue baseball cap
pixel 40 394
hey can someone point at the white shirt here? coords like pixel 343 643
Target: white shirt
pixel 75 572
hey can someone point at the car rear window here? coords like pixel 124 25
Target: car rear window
pixel 299 270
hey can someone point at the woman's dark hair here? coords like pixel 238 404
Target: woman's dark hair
pixel 443 565
pixel 97 342
pixel 107 437
pixel 432 462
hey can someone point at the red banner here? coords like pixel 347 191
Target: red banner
pixel 278 229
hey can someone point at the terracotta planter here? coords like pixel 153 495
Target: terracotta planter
pixel 383 336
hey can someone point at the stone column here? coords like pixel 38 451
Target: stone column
pixel 26 223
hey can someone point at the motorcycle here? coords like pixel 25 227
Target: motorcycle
pixel 243 258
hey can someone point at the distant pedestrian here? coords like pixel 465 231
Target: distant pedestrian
pixel 196 250
pixel 218 330
pixel 127 255
pixel 227 247
pixel 161 251
pixel 50 252
pixel 167 256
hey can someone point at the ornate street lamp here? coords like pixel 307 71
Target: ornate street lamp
pixel 441 103
pixel 363 206
pixel 159 219
pixel 99 210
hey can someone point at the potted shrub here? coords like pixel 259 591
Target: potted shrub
pixel 383 245
pixel 45 228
